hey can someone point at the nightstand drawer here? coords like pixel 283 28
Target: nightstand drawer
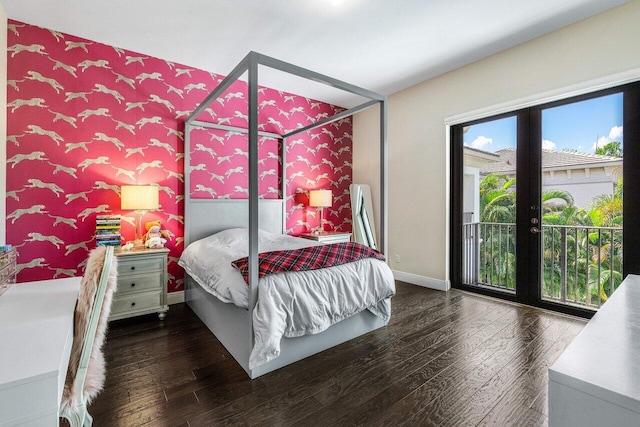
pixel 142 284
pixel 139 265
pixel 129 283
pixel 136 302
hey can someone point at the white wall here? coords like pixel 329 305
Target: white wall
pixel 600 46
pixel 584 193
pixel 471 192
pixel 3 125
pixel 367 149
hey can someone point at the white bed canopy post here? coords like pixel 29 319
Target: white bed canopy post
pixel 188 127
pixel 283 183
pixel 253 183
pixel 384 186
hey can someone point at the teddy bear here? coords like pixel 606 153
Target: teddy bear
pixel 155 237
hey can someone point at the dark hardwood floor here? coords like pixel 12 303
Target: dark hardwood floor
pixel 445 359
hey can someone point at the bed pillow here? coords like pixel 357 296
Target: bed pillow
pixel 235 235
pixel 208 262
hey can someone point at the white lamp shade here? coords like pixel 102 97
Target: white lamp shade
pixel 139 197
pixel 320 198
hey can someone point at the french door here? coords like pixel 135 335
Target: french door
pixel 538 199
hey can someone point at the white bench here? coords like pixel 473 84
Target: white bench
pixel 596 380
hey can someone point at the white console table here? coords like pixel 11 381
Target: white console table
pixel 596 380
pixel 36 334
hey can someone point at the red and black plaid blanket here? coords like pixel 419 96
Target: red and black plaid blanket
pixel 310 258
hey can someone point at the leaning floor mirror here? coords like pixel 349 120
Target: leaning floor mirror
pixel 362 211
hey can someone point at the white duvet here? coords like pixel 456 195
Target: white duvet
pixel 290 304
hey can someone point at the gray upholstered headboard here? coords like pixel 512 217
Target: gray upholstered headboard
pixel 205 217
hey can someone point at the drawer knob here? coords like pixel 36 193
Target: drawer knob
pixel 133 285
pixel 133 267
pixel 133 304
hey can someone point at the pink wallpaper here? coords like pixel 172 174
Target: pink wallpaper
pixel 85 118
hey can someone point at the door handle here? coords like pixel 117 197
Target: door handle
pixel 535 230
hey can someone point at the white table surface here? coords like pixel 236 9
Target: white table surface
pixel 604 359
pixel 36 332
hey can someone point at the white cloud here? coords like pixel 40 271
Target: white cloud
pixel 601 142
pixel 615 134
pixel 548 145
pixel 481 141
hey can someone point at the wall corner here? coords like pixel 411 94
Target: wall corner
pixel 3 125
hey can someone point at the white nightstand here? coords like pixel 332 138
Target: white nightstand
pixel 328 237
pixel 142 283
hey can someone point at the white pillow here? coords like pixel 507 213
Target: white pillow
pixel 235 235
pixel 208 262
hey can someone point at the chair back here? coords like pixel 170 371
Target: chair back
pixel 85 375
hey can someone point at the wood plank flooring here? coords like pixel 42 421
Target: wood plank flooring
pixel 445 359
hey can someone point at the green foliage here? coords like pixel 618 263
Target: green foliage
pixel 497 199
pixel 613 149
pixel 570 215
pixel 606 210
pixel 582 249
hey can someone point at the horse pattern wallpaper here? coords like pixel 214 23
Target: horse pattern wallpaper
pixel 84 118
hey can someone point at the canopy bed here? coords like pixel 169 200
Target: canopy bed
pixel 231 323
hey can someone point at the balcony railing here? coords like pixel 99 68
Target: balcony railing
pixel 581 265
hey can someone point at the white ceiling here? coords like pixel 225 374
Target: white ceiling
pixel 380 45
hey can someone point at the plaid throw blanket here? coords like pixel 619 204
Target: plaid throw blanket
pixel 310 258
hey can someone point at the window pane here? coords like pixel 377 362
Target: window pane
pixel 489 204
pixel 582 145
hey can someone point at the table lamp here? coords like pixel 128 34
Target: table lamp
pixel 139 198
pixel 320 199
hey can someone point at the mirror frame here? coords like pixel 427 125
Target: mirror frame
pixel 364 231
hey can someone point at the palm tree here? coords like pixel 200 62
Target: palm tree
pixel 497 199
pixel 498 205
pixel 606 209
pixel 570 215
pixel 555 202
pixel 591 257
pixel 605 272
pixel 613 149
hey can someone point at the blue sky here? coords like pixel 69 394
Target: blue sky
pixel 578 126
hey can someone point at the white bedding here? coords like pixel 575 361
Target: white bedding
pixel 289 304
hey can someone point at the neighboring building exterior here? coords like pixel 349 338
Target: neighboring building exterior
pixel 474 161
pixel 584 176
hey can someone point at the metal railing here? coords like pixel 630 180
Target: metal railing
pixel 489 255
pixel 581 265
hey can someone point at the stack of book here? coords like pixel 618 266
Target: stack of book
pixel 108 230
pixel 8 256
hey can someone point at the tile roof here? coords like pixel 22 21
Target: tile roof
pixel 551 159
pixel 477 150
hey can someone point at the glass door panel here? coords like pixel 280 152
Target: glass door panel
pixel 581 176
pixel 489 204
pixel 543 224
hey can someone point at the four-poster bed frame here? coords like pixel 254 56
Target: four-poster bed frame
pixel 233 326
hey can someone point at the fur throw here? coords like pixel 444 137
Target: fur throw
pixel 96 367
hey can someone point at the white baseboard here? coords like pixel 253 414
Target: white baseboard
pixel 427 282
pixel 175 297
